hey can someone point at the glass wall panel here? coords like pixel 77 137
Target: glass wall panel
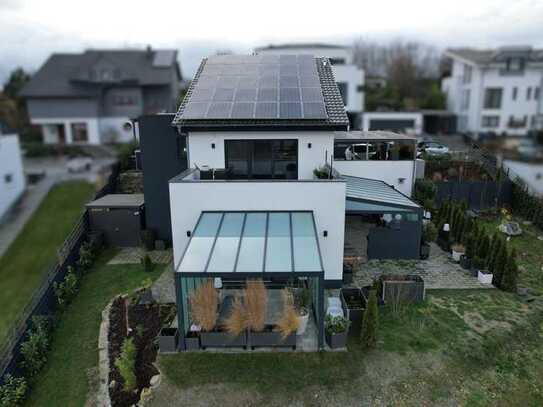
pixel 224 254
pixel 251 252
pixel 278 245
pixel 386 150
pixel 306 252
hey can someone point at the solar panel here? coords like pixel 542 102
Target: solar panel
pixel 257 87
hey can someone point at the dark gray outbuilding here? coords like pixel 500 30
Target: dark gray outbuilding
pixel 120 217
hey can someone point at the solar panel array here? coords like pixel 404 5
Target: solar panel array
pixel 257 87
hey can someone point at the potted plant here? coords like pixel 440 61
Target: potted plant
pixel 337 328
pixel 303 305
pixel 354 303
pixel 222 335
pixel 168 340
pixel 458 250
pixel 322 172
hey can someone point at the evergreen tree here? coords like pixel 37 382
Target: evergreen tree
pixel 466 233
pixel 500 265
pixel 510 275
pixel 484 248
pixel 470 247
pixel 494 250
pixel 370 322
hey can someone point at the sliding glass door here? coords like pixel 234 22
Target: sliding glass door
pixel 262 159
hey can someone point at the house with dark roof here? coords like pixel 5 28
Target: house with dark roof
pixel 243 183
pixel 88 98
pixel 495 91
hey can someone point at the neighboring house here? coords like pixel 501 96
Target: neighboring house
pixel 349 77
pixel 496 91
pixel 410 122
pixel 87 98
pixel 375 82
pixel 12 179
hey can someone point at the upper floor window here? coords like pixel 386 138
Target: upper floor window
pixel 528 93
pixel 337 61
pixel 465 99
pixel 515 93
pixel 493 98
pixel 515 64
pixel 515 123
pixel 389 150
pixel 536 93
pixel 343 89
pixel 490 121
pixel 468 72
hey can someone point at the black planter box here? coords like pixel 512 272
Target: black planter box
pixel 336 340
pixel 409 288
pixel 168 340
pixel 354 304
pixel 218 339
pixel 424 251
pixel 269 338
pixel 465 263
pixel 192 342
pixel 347 274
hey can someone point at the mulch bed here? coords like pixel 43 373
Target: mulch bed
pixel 145 322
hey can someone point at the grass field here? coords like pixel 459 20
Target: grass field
pixel 73 358
pixel 27 259
pixel 459 347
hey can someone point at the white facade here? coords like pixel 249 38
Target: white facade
pixel 399 117
pixel 520 96
pixel 99 130
pixel 12 179
pixel 349 77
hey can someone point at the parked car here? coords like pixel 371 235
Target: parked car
pixel 79 164
pixel 432 148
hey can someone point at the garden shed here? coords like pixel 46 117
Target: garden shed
pixel 120 217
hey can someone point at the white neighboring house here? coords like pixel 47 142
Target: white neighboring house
pixel 496 90
pixel 349 77
pixel 12 178
pixel 88 98
pixel 409 122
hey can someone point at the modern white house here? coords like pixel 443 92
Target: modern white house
pixel 496 90
pixel 349 77
pixel 12 178
pixel 88 98
pixel 263 194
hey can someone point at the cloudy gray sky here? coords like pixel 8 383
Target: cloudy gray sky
pixel 32 29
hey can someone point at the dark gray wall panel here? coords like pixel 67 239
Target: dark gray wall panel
pixel 391 124
pixel 402 243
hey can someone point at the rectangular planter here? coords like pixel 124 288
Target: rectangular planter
pixel 336 340
pixel 354 304
pixel 168 340
pixel 409 288
pixel 484 277
pixel 271 339
pixel 218 339
pixel 192 342
pixel 347 274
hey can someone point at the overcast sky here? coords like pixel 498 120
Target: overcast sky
pixel 32 29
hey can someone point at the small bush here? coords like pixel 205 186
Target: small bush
pixel 337 324
pixel 147 238
pixel 126 363
pixel 13 392
pixel 34 349
pixel 147 263
pixel 370 322
pixel 86 256
pixel 500 265
pixel 430 232
pixel 67 289
pixel 510 275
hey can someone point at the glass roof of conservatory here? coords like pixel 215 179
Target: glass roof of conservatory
pixel 251 242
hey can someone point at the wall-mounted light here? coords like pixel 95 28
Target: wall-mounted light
pixel 401 180
pixel 446 227
pixel 189 233
pixel 213 146
pixel 308 145
pixel 325 233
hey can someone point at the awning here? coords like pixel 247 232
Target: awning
pixel 376 193
pixel 250 242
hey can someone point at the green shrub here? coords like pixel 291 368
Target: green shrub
pixel 13 391
pixel 370 322
pixel 125 153
pixel 500 265
pixel 67 289
pixel 126 363
pixel 86 256
pixel 34 349
pixel 425 193
pixel 470 247
pixel 484 248
pixel 430 232
pixel 147 263
pixel 510 275
pixel 336 325
pixel 147 238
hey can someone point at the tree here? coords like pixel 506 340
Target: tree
pixel 16 81
pixel 484 248
pixel 495 248
pixel 510 275
pixel 435 99
pixel 370 322
pixel 500 265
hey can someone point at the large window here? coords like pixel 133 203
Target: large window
pixel 493 98
pixel 262 159
pixel 389 150
pixel 491 121
pixel 80 133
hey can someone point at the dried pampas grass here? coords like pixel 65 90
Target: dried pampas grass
pixel 203 303
pixel 289 322
pixel 236 322
pixel 256 304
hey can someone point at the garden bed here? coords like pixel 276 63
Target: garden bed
pixel 143 325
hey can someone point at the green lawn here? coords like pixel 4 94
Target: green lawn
pixel 74 351
pixel 27 259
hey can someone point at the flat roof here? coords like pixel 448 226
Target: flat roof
pixel 376 192
pixel 118 201
pixel 372 135
pixel 252 242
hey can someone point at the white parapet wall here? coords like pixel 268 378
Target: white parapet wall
pixel 12 179
pixel 325 198
pixel 399 174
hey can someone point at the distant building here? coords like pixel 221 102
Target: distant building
pixel 348 76
pixel 87 98
pixel 495 91
pixel 376 82
pixel 12 180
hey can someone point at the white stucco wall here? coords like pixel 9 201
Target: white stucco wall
pixel 201 153
pixel 387 171
pixel 112 130
pixel 367 117
pixel 11 166
pixel 325 198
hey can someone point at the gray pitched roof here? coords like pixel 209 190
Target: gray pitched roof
pixel 301 45
pixel 337 117
pixel 487 56
pixel 118 201
pixel 69 75
pixel 375 191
